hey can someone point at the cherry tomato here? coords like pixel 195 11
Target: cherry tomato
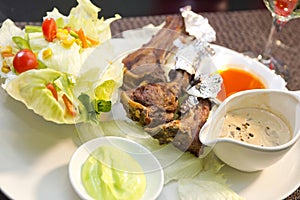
pixel 49 29
pixel 25 60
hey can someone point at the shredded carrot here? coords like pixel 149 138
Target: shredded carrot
pixel 51 87
pixel 93 41
pixel 82 37
pixel 6 54
pixel 69 106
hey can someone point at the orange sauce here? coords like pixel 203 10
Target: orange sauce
pixel 236 80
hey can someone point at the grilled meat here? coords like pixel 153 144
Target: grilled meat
pixel 162 106
pixel 155 103
pixel 144 65
pixel 184 131
pixel 157 107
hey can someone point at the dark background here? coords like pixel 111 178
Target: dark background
pixel 34 10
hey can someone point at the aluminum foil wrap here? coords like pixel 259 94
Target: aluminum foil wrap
pixel 190 55
pixel 197 26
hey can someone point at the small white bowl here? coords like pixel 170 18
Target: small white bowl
pixel 226 58
pixel 151 166
pixel 248 157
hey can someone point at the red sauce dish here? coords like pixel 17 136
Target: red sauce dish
pixel 236 80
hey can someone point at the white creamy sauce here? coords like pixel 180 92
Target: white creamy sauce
pixel 255 126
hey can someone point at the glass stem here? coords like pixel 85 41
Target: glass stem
pixel 275 29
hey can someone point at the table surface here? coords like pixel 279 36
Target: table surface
pixel 240 31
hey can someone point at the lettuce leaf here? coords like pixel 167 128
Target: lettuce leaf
pixel 206 185
pixel 30 88
pixel 85 15
pixel 101 73
pixel 186 166
pixel 37 41
pixel 94 107
pixel 67 60
pixel 55 14
pixel 7 31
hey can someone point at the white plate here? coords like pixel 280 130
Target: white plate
pixel 35 154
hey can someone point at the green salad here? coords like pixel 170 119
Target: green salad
pixel 42 65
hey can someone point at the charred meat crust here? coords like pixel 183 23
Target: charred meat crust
pixel 155 103
pixel 151 104
pixel 184 131
pixel 162 107
pixel 160 44
pixel 157 107
pixel 144 65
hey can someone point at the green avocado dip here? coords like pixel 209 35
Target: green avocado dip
pixel 110 173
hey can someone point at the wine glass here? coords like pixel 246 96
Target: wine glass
pixel 282 11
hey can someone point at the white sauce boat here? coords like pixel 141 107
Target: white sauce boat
pixel 248 157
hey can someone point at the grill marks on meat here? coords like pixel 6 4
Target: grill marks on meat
pixel 163 95
pixel 151 104
pixel 161 107
pixel 156 106
pixel 184 131
pixel 187 138
pixel 144 65
pixel 155 103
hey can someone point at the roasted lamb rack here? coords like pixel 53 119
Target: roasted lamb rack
pixel 158 102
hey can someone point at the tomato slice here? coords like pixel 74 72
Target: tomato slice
pixel 49 29
pixel 25 60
